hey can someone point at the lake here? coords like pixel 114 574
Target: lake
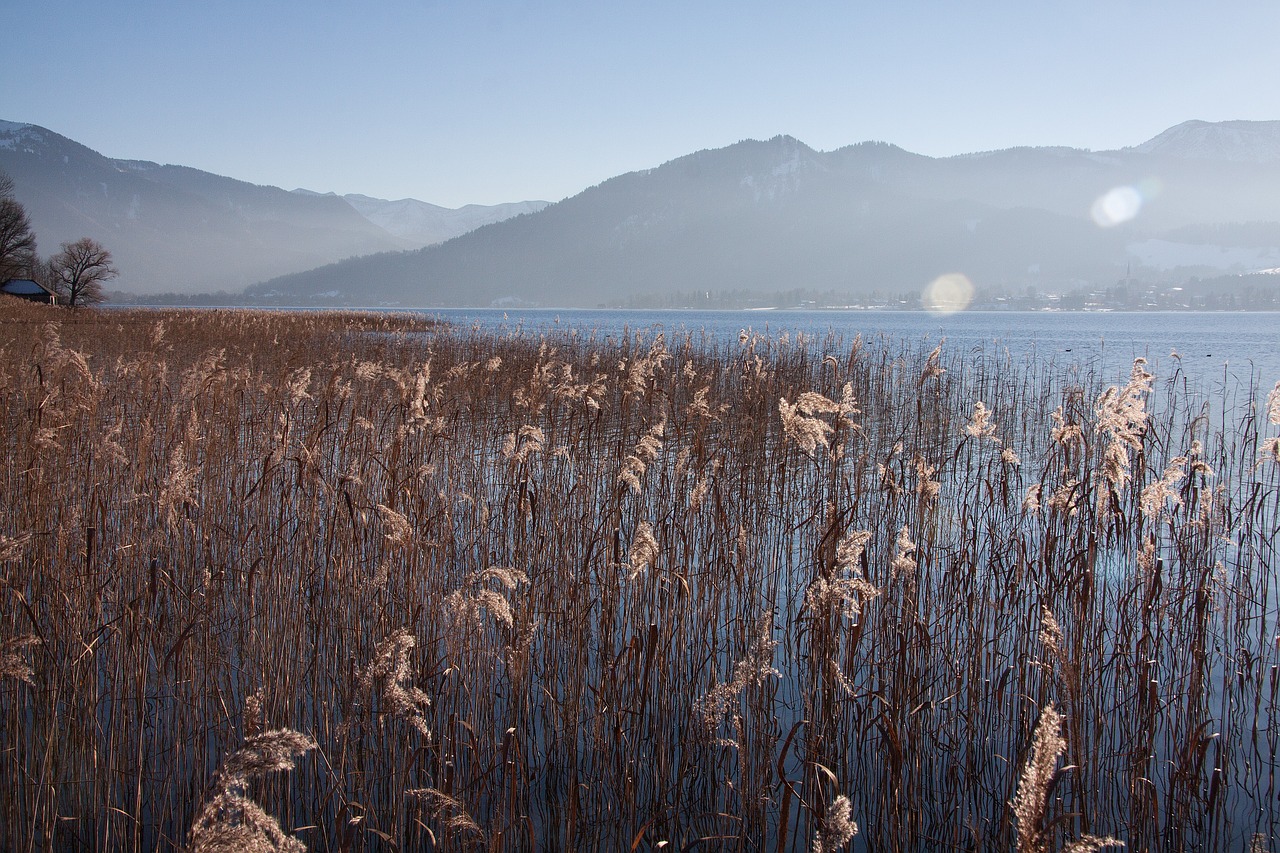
pixel 1209 344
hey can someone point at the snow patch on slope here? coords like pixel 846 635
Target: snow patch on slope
pixel 15 136
pixel 783 176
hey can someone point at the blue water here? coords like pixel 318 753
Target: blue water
pixel 1209 345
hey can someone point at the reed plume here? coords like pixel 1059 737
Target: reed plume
pixel 12 663
pixel 904 563
pixel 837 829
pixel 1122 421
pixel 230 821
pixel 451 813
pixel 645 453
pixel 388 678
pixel 1040 774
pixel 750 671
pixel 980 426
pixel 643 552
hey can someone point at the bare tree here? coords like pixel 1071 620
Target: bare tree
pixel 17 242
pixel 42 272
pixel 79 271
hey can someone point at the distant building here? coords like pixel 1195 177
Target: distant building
pixel 25 288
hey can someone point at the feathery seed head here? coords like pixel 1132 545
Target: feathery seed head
pixel 388 677
pixel 980 425
pixel 262 753
pixel 396 528
pixel 932 367
pixel 12 663
pixel 808 432
pixel 838 828
pixel 904 562
pixel 232 823
pixel 1031 503
pixel 643 552
pixel 450 811
pixel 1030 802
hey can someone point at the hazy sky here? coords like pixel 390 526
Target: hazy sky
pixel 454 102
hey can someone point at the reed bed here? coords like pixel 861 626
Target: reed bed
pixel 362 582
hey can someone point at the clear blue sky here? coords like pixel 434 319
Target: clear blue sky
pixel 454 102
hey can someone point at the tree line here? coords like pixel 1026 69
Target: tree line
pixel 75 273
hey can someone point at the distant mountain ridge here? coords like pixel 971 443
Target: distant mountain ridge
pixel 1200 198
pixel 178 229
pixel 423 224
pixel 776 215
pixel 1233 141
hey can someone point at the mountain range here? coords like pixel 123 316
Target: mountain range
pixel 178 229
pixel 776 215
pixel 1199 199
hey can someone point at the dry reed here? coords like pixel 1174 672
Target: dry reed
pixel 551 591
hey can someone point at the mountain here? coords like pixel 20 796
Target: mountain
pixel 1200 199
pixel 777 215
pixel 423 224
pixel 177 229
pixel 1233 141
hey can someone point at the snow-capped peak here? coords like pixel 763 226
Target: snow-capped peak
pixel 1235 141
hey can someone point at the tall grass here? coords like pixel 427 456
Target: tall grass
pixel 551 592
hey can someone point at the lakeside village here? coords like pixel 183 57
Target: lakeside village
pixel 1257 291
pixel 1249 292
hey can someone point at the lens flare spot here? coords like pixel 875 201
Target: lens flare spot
pixel 1115 206
pixel 948 293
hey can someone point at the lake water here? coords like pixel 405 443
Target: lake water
pixel 1210 345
